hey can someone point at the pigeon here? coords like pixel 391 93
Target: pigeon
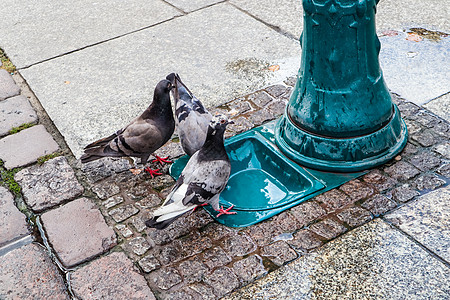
pixel 202 180
pixel 192 119
pixel 143 136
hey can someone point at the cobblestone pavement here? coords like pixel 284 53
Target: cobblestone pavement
pixel 77 231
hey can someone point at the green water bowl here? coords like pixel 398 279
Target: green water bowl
pixel 263 182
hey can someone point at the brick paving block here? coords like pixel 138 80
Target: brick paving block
pixel 138 245
pixel 428 182
pixel 404 193
pixel 425 138
pixel 217 231
pixel 26 147
pixel 215 257
pixel 203 291
pixel 279 253
pixel 238 245
pixel 8 88
pixel 77 231
pixel 222 280
pixel 12 221
pixel 249 269
pixel 193 270
pixel 194 243
pixel 110 277
pixel 14 112
pixel 286 222
pixel 164 278
pixel 402 171
pixel 379 181
pixel 263 233
pixel 261 116
pixel 305 240
pixel 354 216
pixel 356 190
pixel 149 263
pixel 276 90
pixel 29 273
pixel 122 213
pixel 260 98
pixel 425 161
pixel 307 212
pixel 106 190
pixel 102 168
pixel 48 185
pixel 328 229
pixel 333 199
pixel 378 205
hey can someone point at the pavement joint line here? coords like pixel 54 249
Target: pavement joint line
pixel 445 94
pixel 209 5
pixel 176 7
pixel 98 43
pixel 412 239
pixel 273 27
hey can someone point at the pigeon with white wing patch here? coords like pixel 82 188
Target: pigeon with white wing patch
pixel 202 180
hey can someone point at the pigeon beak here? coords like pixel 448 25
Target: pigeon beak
pixel 230 122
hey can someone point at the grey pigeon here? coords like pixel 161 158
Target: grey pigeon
pixel 143 136
pixel 192 119
pixel 203 179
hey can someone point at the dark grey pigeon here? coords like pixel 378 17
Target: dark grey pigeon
pixel 192 118
pixel 143 136
pixel 202 180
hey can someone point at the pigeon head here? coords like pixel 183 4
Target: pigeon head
pixel 163 87
pixel 219 122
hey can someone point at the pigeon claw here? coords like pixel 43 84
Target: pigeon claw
pixel 162 160
pixel 225 211
pixel 152 173
pixel 204 204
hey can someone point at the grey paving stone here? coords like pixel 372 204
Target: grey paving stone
pixel 356 190
pixel 440 106
pixel 48 185
pixel 222 280
pixel 106 190
pixel 193 270
pixel 402 171
pixel 404 193
pixel 8 88
pixel 216 231
pixel 190 5
pixel 103 168
pixel 260 98
pixel 13 223
pixel 203 291
pixel 138 245
pixel 78 232
pixel 58 28
pixel 425 161
pixel 428 182
pixel 443 149
pixel 333 199
pixel 110 277
pixel 305 240
pixel 113 201
pixel 215 257
pixel 124 230
pixel 149 263
pixel 29 273
pixel 169 253
pixel 379 181
pixel 249 268
pixel 261 116
pixel 164 278
pixel 425 138
pixel 123 212
pixel 426 219
pixel 14 112
pixel 194 243
pixel 307 212
pixel 328 229
pixel 354 216
pixel 279 253
pixel 285 15
pixel 209 36
pixel 26 147
pixel 378 205
pixel 372 255
pixel 238 245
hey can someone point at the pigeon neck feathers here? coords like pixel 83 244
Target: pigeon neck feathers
pixel 213 149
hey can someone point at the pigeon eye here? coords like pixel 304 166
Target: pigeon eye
pixel 222 121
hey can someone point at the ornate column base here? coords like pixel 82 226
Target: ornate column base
pixel 341 154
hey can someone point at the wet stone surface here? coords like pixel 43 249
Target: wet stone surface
pixel 428 182
pixel 354 216
pixel 49 185
pixel 12 221
pixel 333 200
pixel 279 253
pixel 378 205
pixel 328 229
pixel 402 171
pixel 223 281
pixel 305 240
pixel 250 268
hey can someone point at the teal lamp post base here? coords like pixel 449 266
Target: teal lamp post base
pixel 342 154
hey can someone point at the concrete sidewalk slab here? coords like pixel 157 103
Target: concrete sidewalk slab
pixel 427 219
pixel 12 221
pixel 220 52
pixel 29 273
pixel 191 5
pixel 26 147
pixel 36 31
pixel 416 70
pixel 14 112
pixel 374 261
pixel 440 106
